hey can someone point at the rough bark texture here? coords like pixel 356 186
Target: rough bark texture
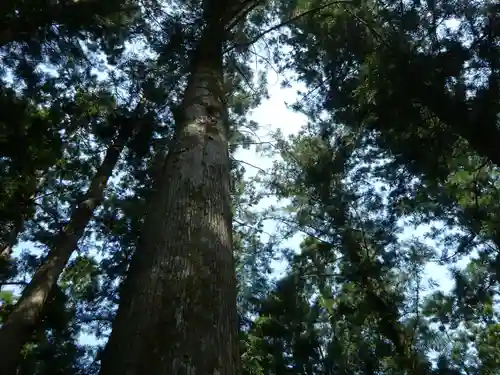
pixel 25 316
pixel 177 313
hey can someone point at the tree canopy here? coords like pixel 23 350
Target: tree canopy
pixel 122 193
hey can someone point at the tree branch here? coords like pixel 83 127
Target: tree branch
pixel 251 165
pixel 242 12
pixel 288 22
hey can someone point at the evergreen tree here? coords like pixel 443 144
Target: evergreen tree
pixel 118 126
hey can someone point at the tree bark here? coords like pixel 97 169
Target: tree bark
pixel 25 316
pixel 177 312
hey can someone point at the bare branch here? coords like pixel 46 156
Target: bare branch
pixel 251 165
pixel 253 143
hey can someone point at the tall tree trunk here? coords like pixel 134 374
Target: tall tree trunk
pixel 25 316
pixel 177 312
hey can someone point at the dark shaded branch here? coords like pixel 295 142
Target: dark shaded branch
pixel 288 22
pixel 242 12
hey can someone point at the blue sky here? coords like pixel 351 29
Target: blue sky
pixel 273 114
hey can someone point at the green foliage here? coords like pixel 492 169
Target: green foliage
pixel 403 106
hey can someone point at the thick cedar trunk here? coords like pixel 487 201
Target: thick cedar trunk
pixel 177 312
pixel 25 316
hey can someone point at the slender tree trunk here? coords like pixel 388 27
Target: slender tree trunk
pixel 177 312
pixel 25 316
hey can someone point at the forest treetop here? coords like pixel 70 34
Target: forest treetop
pixel 100 102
